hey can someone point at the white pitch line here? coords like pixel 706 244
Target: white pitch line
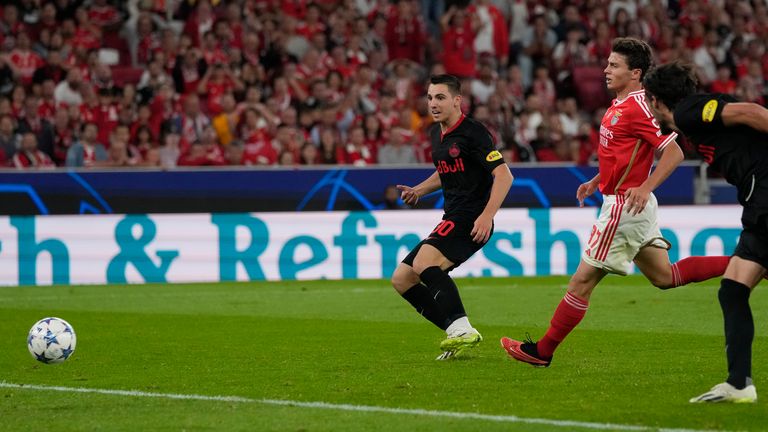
pixel 349 407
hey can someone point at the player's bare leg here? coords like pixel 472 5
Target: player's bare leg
pixel 654 263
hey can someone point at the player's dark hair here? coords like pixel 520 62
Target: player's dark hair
pixel 670 83
pixel 453 83
pixel 637 52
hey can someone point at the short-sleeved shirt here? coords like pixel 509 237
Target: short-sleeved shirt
pixel 738 152
pixel 629 135
pixel 464 157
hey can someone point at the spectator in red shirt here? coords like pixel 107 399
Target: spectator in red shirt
pixel 87 35
pixel 199 22
pixel 723 83
pixel 294 8
pixel 24 59
pixel 312 23
pixel 63 136
pixel 218 81
pixel 234 22
pixel 29 156
pixel 188 71
pixel 146 39
pixel 205 152
pixel 355 152
pixel 103 15
pixel 405 32
pixel 211 49
pixel 459 30
pixel 254 132
pixel 492 36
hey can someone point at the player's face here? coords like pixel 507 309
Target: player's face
pixel 662 114
pixel 442 105
pixel 618 75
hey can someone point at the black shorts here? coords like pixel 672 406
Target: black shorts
pixel 453 238
pixel 753 242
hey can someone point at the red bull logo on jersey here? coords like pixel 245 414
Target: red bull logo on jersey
pixel 444 167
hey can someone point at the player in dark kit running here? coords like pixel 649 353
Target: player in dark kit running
pixel 475 180
pixel 733 138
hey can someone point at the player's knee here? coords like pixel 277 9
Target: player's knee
pixel 662 282
pixel 403 279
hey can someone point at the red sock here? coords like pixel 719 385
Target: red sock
pixel 568 314
pixel 698 268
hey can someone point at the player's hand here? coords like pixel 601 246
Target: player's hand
pixel 636 199
pixel 408 195
pixel 585 190
pixel 481 231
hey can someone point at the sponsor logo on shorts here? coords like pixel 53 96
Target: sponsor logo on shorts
pixel 708 113
pixel 493 156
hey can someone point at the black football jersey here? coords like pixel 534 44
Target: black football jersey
pixel 465 157
pixel 739 152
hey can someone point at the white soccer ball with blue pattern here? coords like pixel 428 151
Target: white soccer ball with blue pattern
pixel 51 340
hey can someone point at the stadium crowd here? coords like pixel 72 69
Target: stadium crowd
pixel 166 83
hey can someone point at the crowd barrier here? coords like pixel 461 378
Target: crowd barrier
pixel 138 248
pixel 280 189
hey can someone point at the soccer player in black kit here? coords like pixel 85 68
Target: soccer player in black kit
pixel 475 180
pixel 733 138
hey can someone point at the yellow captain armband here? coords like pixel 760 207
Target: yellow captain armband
pixel 708 113
pixel 493 156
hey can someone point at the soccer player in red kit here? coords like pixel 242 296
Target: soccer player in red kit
pixel 627 229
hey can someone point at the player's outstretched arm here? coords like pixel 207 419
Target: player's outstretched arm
pixel 502 181
pixel 746 113
pixel 636 198
pixel 411 195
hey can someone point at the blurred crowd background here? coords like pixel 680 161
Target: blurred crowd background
pixel 169 83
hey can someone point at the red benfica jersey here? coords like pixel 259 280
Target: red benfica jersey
pixel 629 135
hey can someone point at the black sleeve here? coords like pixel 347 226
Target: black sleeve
pixel 701 112
pixel 483 150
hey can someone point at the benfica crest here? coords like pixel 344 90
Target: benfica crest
pixel 615 118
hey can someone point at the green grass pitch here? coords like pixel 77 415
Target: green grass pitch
pixel 635 360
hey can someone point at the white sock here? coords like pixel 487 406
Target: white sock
pixel 460 324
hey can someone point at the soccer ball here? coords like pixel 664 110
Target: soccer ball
pixel 51 340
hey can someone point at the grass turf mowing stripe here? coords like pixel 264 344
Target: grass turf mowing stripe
pixel 348 407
